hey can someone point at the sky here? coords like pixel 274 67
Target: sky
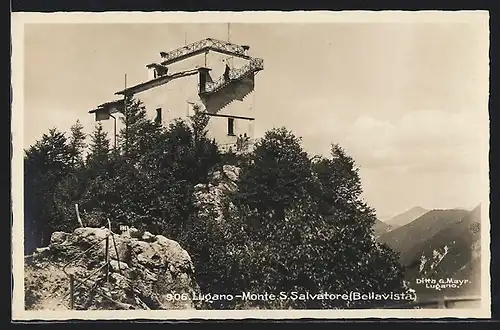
pixel 408 101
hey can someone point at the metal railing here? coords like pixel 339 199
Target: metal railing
pixel 86 280
pixel 255 64
pixel 245 145
pixel 201 46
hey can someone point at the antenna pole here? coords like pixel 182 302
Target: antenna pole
pixel 230 59
pixel 114 132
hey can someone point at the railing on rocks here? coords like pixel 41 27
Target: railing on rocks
pixel 75 282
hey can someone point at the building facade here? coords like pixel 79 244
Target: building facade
pixel 213 76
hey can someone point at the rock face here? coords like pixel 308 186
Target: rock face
pixel 145 271
pixel 211 197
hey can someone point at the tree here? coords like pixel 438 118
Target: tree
pixel 276 177
pixel 182 157
pixel 338 193
pixel 322 239
pixel 98 157
pixel 338 181
pixel 45 164
pixel 120 184
pixel 263 225
pixel 158 170
pixel 206 152
pixel 99 198
pixel 77 144
pixel 72 185
pixel 140 132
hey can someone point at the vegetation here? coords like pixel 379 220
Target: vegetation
pixel 296 223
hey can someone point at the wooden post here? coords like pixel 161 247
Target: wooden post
pixel 117 255
pixel 71 291
pixel 442 303
pixel 78 216
pixel 107 259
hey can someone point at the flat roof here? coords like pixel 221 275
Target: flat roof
pixel 104 105
pixel 156 82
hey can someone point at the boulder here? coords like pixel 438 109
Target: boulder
pixel 143 272
pixel 135 233
pixel 148 237
pixel 58 237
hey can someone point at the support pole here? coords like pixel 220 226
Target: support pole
pixel 71 291
pixel 114 118
pixel 230 59
pixel 114 131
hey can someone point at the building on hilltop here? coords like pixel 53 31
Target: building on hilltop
pixel 214 76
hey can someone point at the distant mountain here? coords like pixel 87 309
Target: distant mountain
pixel 440 245
pixel 406 238
pixel 384 218
pixel 406 217
pixel 454 252
pixel 381 227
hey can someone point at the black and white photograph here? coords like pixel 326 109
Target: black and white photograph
pixel 250 165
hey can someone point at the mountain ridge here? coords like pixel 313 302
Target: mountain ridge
pixel 404 238
pixel 380 227
pixel 441 244
pixel 406 217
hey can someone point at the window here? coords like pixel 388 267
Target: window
pixel 230 126
pixel 158 115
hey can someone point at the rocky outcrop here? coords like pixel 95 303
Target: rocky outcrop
pixel 145 271
pixel 211 197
